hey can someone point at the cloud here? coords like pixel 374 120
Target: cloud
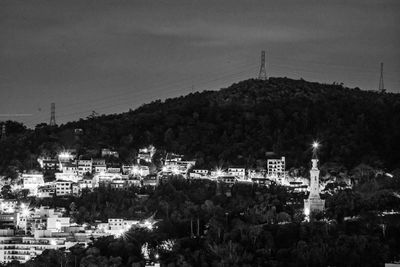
pixel 203 33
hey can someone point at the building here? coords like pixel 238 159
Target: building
pixel 150 180
pixel 105 152
pixel 32 182
pixel 24 248
pixel 56 224
pixel 99 165
pixel 64 188
pixel 146 154
pixel 47 190
pixel 114 169
pixel 49 164
pixel 84 166
pixel 238 172
pixel 276 169
pixel 198 174
pixel 67 176
pixel 314 203
pixel 86 182
pixel 69 167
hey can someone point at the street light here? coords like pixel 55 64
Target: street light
pixel 315 145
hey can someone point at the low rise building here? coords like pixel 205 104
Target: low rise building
pixel 64 188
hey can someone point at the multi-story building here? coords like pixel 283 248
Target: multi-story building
pixel 64 188
pixel 25 248
pixel 49 164
pixel 69 167
pixel 86 182
pixel 276 169
pixel 84 166
pixel 99 165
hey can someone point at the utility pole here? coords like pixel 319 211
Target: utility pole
pixel 263 72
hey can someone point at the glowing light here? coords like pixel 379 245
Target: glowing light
pixel 53 242
pixel 219 172
pixel 315 145
pixel 64 155
pixel 164 169
pixel 157 256
pixel 306 211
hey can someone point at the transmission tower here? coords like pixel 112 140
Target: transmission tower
pixel 381 85
pixel 263 72
pixel 53 115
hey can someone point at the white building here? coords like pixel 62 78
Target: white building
pixel 56 224
pixel 32 182
pixel 67 176
pixel 25 248
pixel 64 188
pixel 198 174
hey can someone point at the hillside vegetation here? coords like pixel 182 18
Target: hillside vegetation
pixel 236 125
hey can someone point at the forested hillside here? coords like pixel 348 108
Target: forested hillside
pixel 236 125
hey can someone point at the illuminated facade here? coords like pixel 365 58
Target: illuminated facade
pixel 314 203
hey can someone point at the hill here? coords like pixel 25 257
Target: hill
pixel 237 125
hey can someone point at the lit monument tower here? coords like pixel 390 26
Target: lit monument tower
pixel 314 203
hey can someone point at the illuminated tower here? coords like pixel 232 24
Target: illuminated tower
pixel 314 203
pixel 53 115
pixel 263 72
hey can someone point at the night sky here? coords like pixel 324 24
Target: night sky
pixel 110 56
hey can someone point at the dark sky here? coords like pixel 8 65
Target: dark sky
pixel 112 55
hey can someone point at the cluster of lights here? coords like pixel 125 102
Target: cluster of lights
pixel 64 155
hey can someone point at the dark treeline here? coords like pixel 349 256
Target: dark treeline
pixel 236 125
